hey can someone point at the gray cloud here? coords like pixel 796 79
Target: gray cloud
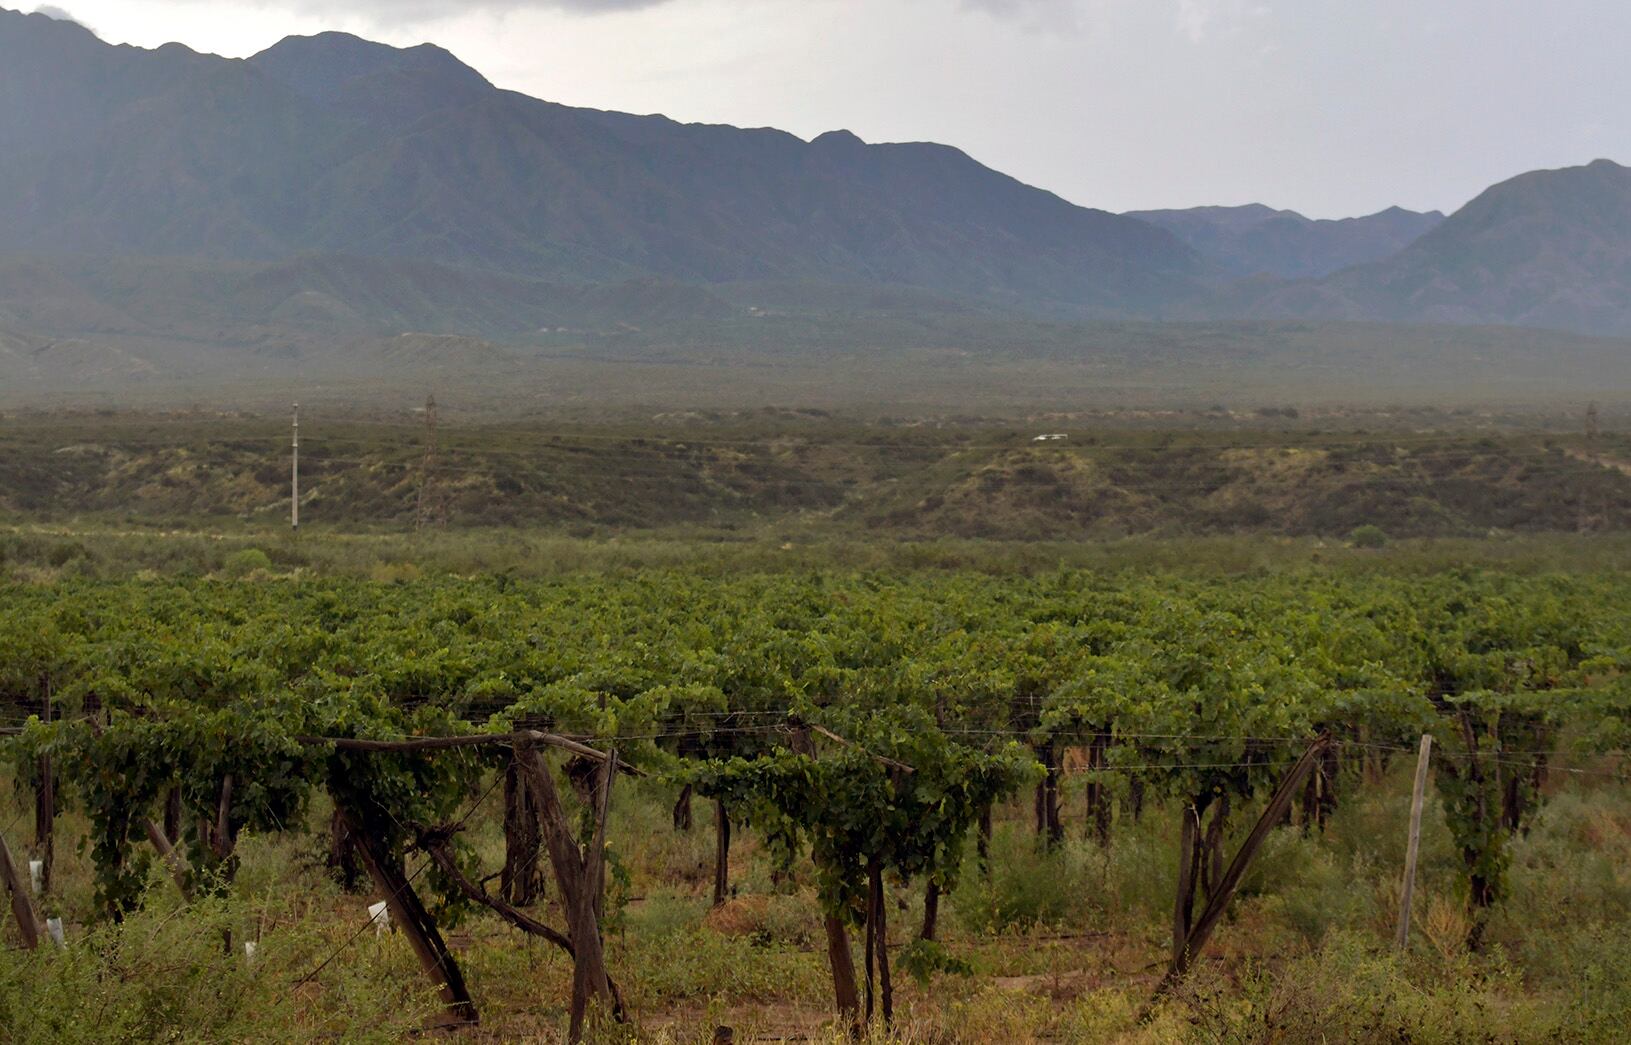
pixel 419 10
pixel 1039 14
pixel 1048 12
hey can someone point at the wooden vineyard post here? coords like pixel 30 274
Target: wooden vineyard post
pixel 416 923
pixel 682 809
pixel 1186 951
pixel 172 813
pixel 45 820
pixel 576 876
pixel 28 926
pixel 1211 855
pixel 1401 939
pixel 1098 796
pixel 520 881
pixel 931 911
pixel 1183 914
pixel 877 947
pixel 842 961
pixel 45 807
pixel 342 852
pixel 173 860
pixel 982 843
pixel 722 852
pixel 1049 827
pixel 886 989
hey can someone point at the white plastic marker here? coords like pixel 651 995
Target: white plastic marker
pixel 54 927
pixel 250 946
pixel 36 875
pixel 380 915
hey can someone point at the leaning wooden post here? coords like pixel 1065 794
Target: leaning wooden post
pixel 1401 939
pixel 1212 913
pixel 173 860
pixel 396 889
pixel 28 926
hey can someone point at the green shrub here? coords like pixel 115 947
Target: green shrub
pixel 1368 536
pixel 1026 888
pixel 162 975
pixel 1354 989
pixel 247 561
pixel 64 552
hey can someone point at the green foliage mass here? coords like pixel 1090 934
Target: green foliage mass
pixel 1196 688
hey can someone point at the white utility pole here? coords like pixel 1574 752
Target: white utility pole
pixel 294 475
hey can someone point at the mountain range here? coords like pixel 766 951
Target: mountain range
pixel 157 205
pixel 1257 240
pixel 332 144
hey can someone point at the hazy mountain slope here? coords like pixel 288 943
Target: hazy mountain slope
pixel 1545 249
pixel 1258 240
pixel 334 144
pixel 236 302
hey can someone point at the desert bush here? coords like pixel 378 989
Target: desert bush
pixel 246 561
pixel 1026 888
pixel 1368 536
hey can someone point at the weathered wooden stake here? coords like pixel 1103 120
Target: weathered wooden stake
pixel 870 949
pixel 1212 913
pixel 28 926
pixel 172 813
pixel 416 923
pixel 886 989
pixel 1098 796
pixel 577 876
pixel 1184 908
pixel 173 860
pixel 722 852
pixel 982 842
pixel 1401 939
pixel 342 852
pixel 521 879
pixel 682 809
pixel 931 911
pixel 843 974
pixel 45 818
pixel 1211 855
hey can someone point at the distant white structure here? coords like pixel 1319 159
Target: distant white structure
pixel 1051 437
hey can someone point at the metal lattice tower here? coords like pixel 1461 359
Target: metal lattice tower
pixel 426 513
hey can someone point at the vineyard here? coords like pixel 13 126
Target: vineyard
pixel 530 775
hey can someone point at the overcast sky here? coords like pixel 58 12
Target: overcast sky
pixel 1332 107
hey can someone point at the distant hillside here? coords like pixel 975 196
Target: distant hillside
pixel 1257 240
pixel 1545 249
pixel 332 144
pixel 804 476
